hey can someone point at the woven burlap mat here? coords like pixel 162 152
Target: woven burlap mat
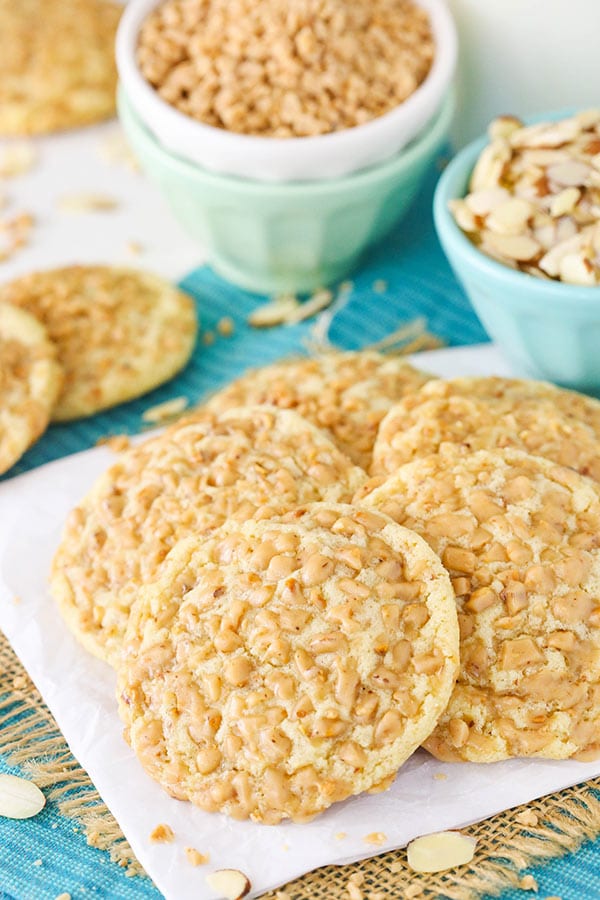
pixel 507 843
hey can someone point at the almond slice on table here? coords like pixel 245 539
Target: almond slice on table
pixel 231 884
pixel 19 798
pixel 440 851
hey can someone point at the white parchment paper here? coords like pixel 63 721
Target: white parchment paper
pixel 80 692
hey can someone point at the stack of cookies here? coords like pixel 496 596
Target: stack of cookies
pixel 334 562
pixel 78 340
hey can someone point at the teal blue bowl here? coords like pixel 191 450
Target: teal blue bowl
pixel 297 236
pixel 545 329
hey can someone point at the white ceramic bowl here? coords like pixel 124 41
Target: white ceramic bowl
pixel 287 159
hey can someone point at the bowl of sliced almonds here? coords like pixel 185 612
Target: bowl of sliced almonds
pixel 518 216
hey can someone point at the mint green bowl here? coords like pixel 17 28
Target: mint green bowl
pixel 545 329
pixel 273 237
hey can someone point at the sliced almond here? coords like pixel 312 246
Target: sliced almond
pixel 440 852
pixel 571 173
pixel 274 313
pixel 84 202
pixel 231 884
pixel 575 268
pixel 566 228
pixel 545 235
pixel 550 262
pixel 490 165
pixel 319 301
pixel 19 798
pixel 503 127
pixel 564 203
pixel 511 217
pixel 546 134
pixel 481 203
pixel 587 118
pixel 463 216
pixel 520 248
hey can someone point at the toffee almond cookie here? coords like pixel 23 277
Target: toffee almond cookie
pixel 30 381
pixel 119 332
pixel 278 667
pixel 347 394
pixel 57 67
pixel 188 480
pixel 519 535
pixel 488 413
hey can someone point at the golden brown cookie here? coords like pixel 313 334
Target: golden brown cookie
pixel 188 480
pixel 488 413
pixel 519 536
pixel 347 394
pixel 119 332
pixel 280 666
pixel 30 381
pixel 57 67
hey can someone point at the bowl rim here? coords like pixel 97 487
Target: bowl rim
pixel 438 78
pixel 451 235
pixel 425 143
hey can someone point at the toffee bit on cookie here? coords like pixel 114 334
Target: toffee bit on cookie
pixel 376 838
pixel 165 412
pixel 195 858
pixel 84 202
pixel 527 817
pixel 162 834
pixel 226 326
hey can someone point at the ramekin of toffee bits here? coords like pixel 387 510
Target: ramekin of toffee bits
pixel 311 90
pixel 518 215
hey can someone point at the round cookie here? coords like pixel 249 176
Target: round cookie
pixel 119 332
pixel 347 394
pixel 188 480
pixel 57 67
pixel 489 413
pixel 519 536
pixel 278 667
pixel 30 381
